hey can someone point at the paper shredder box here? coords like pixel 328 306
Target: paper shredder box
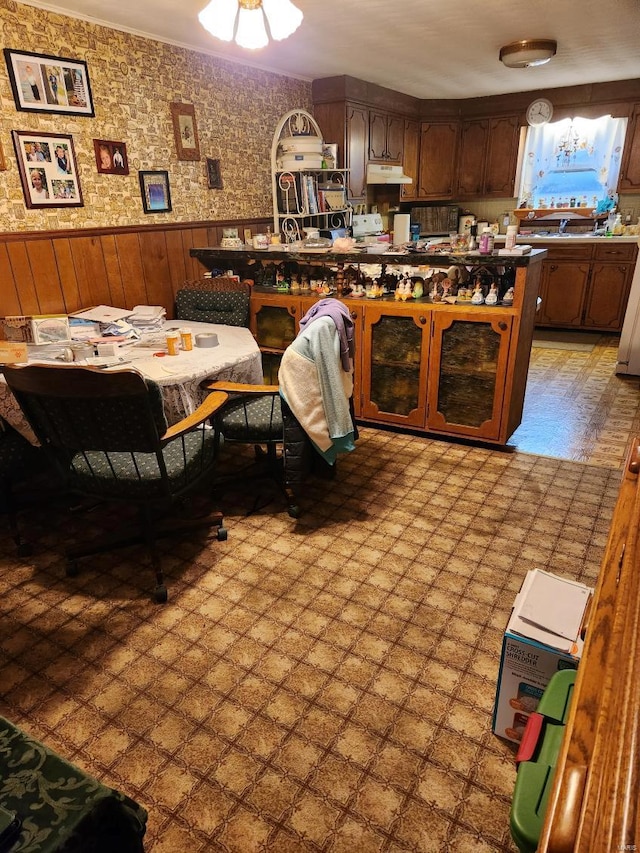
pixel 526 667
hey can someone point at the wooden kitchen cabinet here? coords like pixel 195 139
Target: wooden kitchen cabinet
pixel 563 288
pixel 395 353
pixel 386 137
pixel 446 369
pixel 347 124
pixel 587 286
pixel 438 153
pixel 410 159
pixel 488 156
pixel 467 373
pixel 629 180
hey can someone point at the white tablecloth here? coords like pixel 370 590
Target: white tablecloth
pixel 237 358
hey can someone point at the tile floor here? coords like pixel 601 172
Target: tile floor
pixel 577 408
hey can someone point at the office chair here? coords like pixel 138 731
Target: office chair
pixel 108 435
pixel 214 300
pixel 18 460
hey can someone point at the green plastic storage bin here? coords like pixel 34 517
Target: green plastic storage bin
pixel 537 758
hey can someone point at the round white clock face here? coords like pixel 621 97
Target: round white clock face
pixel 539 111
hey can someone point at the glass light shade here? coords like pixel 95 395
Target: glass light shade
pixel 284 18
pixel 251 31
pixel 219 18
pixel 528 53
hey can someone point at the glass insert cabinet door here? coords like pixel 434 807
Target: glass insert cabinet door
pixel 394 373
pixel 467 373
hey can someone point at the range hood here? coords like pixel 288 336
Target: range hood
pixel 377 173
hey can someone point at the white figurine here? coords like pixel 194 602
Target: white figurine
pixel 478 295
pixel 492 296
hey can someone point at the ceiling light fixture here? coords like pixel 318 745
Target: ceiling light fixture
pixel 528 53
pixel 245 20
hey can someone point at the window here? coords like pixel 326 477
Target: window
pixel 572 163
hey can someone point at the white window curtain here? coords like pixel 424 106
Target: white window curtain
pixel 572 163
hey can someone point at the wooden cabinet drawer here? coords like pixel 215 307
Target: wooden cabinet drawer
pixel 616 252
pixel 581 252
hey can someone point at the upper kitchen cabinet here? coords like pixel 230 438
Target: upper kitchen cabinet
pixel 629 181
pixel 347 124
pixel 437 166
pixel 410 159
pixel 487 160
pixel 386 137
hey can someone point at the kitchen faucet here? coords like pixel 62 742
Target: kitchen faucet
pixel 563 226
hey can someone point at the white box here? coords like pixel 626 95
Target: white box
pixel 541 637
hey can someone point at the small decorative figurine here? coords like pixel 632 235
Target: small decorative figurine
pixel 507 299
pixel 492 296
pixel 478 296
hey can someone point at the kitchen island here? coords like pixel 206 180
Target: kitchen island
pixel 453 370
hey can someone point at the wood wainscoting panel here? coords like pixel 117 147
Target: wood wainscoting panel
pixel 63 271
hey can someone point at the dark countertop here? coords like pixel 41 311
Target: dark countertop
pixel 215 253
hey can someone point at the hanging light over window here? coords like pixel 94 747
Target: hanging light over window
pixel 528 53
pixel 245 20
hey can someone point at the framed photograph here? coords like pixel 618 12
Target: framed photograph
pixel 111 157
pixel 49 84
pixel 214 178
pixel 185 131
pixel 154 187
pixel 47 165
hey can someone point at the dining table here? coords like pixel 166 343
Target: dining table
pixel 231 354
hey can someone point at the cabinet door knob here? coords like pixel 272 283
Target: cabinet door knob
pixel 353 315
pixel 554 267
pixel 422 320
pixel 502 326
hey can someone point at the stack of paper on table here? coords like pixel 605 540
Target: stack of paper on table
pixel 148 318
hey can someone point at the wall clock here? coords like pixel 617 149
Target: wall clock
pixel 539 112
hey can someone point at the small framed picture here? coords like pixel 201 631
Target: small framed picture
pixel 154 187
pixel 47 166
pixel 111 157
pixel 42 83
pixel 214 178
pixel 185 131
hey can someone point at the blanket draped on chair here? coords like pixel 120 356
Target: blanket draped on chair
pixel 317 388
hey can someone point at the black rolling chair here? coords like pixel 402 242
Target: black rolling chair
pixel 107 433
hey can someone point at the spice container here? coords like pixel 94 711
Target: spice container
pixel 173 343
pixel 186 339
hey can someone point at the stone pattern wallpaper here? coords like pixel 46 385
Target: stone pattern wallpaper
pixel 133 82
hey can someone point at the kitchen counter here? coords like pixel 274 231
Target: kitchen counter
pixel 569 239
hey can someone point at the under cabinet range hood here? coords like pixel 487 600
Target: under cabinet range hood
pixel 377 173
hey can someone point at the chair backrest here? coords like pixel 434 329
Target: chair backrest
pixel 214 300
pixel 74 409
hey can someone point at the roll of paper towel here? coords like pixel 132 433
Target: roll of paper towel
pixel 401 224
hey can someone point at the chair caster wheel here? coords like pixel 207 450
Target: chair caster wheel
pixel 72 570
pixel 294 511
pixel 160 594
pixel 222 534
pixel 25 549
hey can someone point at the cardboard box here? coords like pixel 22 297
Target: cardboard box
pixel 541 638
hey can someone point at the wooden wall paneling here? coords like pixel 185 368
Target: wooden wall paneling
pixel 153 247
pixel 23 277
pixel 88 260
pixel 72 300
pixel 195 238
pixel 131 269
pixel 177 267
pixel 114 276
pixel 43 263
pixel 9 297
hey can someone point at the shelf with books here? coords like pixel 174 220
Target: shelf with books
pixel 309 196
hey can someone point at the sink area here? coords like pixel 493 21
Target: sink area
pixel 543 235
